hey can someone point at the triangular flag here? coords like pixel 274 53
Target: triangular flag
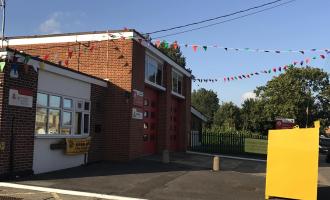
pixel 46 57
pixel 232 78
pixel 2 66
pixel 256 73
pixel 314 58
pixel 322 56
pixel 186 45
pixel 280 69
pixel 302 52
pixel 277 51
pixel 157 43
pixel 307 60
pixel 269 71
pixel 226 48
pixel 175 45
pixel 205 48
pixel 235 77
pixel 165 44
pixel 274 69
pixel 225 79
pixel 313 49
pixel 301 63
pixel 295 63
pixel 41 65
pixel 248 76
pixel 70 52
pixel 244 76
pixel 239 77
pixel 26 59
pixel 194 47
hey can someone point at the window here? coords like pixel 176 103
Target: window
pixel 153 71
pixel 177 80
pixel 57 115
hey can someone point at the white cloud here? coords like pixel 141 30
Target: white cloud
pixel 52 25
pixel 248 95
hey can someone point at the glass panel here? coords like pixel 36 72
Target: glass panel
pixel 86 123
pixel 42 99
pixel 87 106
pixel 41 121
pixel 175 84
pixel 66 131
pixel 145 125
pixel 146 114
pixel 159 75
pixel 67 119
pixel 152 70
pixel 55 101
pixel 180 85
pixel 67 103
pixel 77 123
pixel 53 121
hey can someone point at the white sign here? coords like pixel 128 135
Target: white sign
pixel 137 113
pixel 20 97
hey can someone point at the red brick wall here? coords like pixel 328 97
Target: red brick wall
pixel 97 123
pixel 122 62
pixel 23 122
pixel 108 60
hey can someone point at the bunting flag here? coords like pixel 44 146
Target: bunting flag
pixel 195 48
pixel 2 66
pixel 279 69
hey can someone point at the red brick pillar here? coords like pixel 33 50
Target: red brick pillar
pixel 165 110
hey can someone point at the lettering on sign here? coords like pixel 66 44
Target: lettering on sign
pixel 137 113
pixel 137 98
pixel 21 97
pixel 75 146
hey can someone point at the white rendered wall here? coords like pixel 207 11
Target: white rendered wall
pixel 45 159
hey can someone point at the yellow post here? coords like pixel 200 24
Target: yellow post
pixel 292 163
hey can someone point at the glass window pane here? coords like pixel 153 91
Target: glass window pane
pixel 42 99
pixel 86 123
pixel 159 75
pixel 175 84
pixel 66 131
pixel 77 124
pixel 41 121
pixel 54 101
pixel 53 121
pixel 152 70
pixel 67 103
pixel 180 85
pixel 87 106
pixel 67 119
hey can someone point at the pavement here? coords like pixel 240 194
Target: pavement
pixel 186 177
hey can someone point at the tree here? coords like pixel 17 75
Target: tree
pixel 253 117
pixel 300 93
pixel 228 117
pixel 174 52
pixel 206 101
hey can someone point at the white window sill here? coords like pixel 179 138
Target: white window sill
pixel 45 136
pixel 178 95
pixel 155 85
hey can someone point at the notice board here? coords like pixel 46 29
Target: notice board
pixel 292 163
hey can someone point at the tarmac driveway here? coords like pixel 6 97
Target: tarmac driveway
pixel 186 177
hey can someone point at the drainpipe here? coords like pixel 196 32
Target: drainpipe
pixel 11 153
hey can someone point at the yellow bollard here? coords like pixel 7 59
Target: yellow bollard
pixel 216 163
pixel 292 163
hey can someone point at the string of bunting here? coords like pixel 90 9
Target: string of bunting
pixel 196 47
pixel 266 71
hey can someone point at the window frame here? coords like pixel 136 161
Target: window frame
pixel 160 66
pixel 63 109
pixel 177 75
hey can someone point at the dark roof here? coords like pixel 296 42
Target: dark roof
pixel 51 63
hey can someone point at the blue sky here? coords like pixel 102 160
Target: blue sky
pixel 303 24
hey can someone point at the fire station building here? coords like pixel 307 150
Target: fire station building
pixel 112 91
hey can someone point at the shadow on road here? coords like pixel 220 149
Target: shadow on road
pixel 323 192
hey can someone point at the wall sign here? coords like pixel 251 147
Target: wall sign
pixel 75 146
pixel 137 113
pixel 137 98
pixel 22 97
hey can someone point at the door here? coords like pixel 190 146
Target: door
pixel 150 117
pixel 174 125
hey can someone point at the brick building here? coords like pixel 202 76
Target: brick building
pixel 143 109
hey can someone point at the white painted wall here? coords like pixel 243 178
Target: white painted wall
pixel 54 83
pixel 45 159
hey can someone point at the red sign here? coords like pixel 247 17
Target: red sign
pixel 284 124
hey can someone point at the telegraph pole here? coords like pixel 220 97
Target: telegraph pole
pixel 3 5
